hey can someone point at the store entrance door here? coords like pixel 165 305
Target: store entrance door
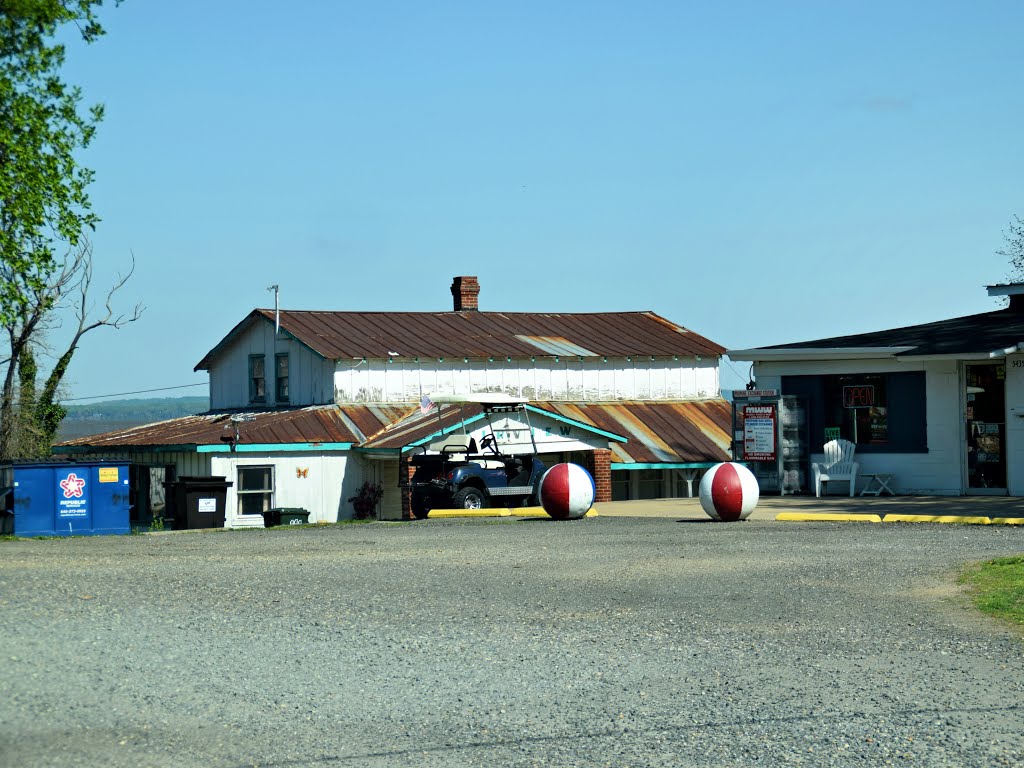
pixel 985 422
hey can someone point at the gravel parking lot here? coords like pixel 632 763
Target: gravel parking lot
pixel 607 641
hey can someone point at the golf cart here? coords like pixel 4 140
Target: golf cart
pixel 453 472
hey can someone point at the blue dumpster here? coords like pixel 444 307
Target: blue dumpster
pixel 71 499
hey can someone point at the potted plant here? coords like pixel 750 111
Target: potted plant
pixel 366 499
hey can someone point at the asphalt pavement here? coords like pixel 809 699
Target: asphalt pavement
pixel 641 640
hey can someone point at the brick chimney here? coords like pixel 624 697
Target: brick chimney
pixel 465 291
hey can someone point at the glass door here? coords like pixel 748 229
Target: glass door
pixel 986 428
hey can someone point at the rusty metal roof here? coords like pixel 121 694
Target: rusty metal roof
pixel 398 335
pixel 691 431
pixel 676 432
pixel 416 426
pixel 317 425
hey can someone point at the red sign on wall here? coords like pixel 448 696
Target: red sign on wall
pixel 860 396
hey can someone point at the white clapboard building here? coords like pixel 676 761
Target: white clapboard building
pixel 306 406
pixel 936 408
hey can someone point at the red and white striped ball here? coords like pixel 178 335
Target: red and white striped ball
pixel 729 492
pixel 566 491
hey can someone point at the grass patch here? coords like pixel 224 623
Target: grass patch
pixel 997 587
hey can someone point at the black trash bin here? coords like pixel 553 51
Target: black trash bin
pixel 7 511
pixel 285 516
pixel 197 502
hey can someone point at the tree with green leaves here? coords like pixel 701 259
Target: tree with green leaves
pixel 1013 248
pixel 44 204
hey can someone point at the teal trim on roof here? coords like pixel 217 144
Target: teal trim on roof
pixel 581 424
pixel 274 447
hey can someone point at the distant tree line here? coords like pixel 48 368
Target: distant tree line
pixel 142 410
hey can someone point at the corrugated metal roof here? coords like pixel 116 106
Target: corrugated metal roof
pixel 678 432
pixel 316 424
pixel 383 335
pixel 416 426
pixel 658 432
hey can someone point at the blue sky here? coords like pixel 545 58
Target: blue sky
pixel 759 172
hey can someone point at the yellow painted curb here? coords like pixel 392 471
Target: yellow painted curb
pixel 496 512
pixel 964 519
pixel 826 517
pixel 1008 521
pixel 539 512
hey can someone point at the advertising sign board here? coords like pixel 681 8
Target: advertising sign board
pixel 759 430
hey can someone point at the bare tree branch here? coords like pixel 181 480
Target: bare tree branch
pixel 66 290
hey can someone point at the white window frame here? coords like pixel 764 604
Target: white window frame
pixel 240 493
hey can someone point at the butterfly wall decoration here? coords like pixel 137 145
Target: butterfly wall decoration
pixel 302 472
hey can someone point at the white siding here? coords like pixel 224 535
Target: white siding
pixel 391 502
pixel 310 377
pixel 381 381
pixel 937 472
pixel 1015 424
pixel 315 482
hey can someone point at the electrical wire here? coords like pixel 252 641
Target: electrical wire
pixel 136 392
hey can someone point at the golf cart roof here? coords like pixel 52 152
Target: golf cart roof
pixel 482 398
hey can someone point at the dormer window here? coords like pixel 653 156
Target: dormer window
pixel 257 379
pixel 281 377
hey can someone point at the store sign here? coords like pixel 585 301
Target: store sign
pixel 759 432
pixel 860 396
pixel 753 394
pixel 72 496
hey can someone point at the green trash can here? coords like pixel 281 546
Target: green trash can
pixel 285 516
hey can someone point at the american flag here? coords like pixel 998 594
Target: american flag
pixel 426 405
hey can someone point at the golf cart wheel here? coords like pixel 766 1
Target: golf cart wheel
pixel 420 509
pixel 470 498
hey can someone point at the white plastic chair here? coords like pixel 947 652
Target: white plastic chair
pixel 838 465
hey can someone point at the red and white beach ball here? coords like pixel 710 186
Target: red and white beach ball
pixel 566 491
pixel 729 492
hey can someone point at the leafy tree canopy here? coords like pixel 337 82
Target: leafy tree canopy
pixel 44 205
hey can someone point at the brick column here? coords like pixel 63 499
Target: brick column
pixel 600 468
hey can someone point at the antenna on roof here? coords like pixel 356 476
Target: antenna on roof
pixel 277 309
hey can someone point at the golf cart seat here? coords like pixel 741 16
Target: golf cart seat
pixel 455 447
